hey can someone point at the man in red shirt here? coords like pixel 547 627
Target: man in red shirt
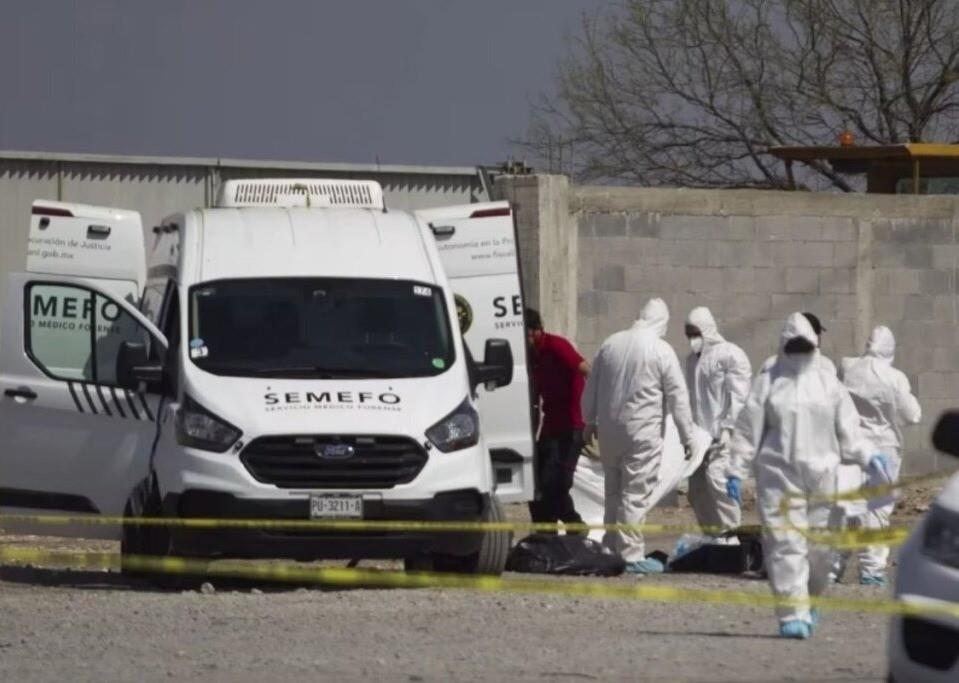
pixel 559 376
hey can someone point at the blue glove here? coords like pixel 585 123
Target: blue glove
pixel 879 464
pixel 734 489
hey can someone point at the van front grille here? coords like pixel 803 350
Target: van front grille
pixel 334 462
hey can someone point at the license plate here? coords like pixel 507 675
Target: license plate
pixel 336 506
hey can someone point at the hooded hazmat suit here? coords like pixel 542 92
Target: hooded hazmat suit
pixel 636 376
pixel 885 403
pixel 718 378
pixel 822 360
pixel 798 423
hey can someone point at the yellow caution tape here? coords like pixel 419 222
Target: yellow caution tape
pixel 346 525
pixel 842 539
pixel 848 538
pixel 371 578
pixel 867 493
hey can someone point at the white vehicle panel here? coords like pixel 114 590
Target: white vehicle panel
pixel 276 242
pixel 74 441
pixel 924 581
pixel 270 407
pixel 476 243
pixel 87 241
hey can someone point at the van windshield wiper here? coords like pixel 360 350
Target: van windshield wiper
pixel 320 372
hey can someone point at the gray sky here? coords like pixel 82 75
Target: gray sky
pixel 410 81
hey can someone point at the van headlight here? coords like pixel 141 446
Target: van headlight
pixel 459 429
pixel 197 427
pixel 940 539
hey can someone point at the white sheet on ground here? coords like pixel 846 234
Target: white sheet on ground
pixel 588 479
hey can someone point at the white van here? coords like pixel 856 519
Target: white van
pixel 296 354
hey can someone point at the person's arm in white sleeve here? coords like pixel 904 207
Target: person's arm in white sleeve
pixel 907 405
pixel 750 425
pixel 853 445
pixel 736 385
pixel 677 396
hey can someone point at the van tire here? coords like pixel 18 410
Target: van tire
pixel 490 559
pixel 135 539
pixel 151 541
pixel 131 543
pixel 494 550
pixel 142 541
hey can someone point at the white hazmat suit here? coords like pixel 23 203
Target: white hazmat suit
pixel 885 402
pixel 823 361
pixel 635 377
pixel 719 380
pixel 798 423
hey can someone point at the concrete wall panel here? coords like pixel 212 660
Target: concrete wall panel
pixel 754 257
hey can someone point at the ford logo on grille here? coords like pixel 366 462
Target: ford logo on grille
pixel 334 451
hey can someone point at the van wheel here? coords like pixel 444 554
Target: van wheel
pixel 147 541
pixel 135 539
pixel 490 559
pixel 143 542
pixel 152 542
pixel 131 543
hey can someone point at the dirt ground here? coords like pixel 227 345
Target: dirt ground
pixel 61 624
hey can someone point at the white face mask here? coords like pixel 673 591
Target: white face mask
pixel 696 344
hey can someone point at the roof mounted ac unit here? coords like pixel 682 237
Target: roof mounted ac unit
pixel 305 192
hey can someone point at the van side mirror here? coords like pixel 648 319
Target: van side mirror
pixel 496 370
pixel 134 366
pixel 945 437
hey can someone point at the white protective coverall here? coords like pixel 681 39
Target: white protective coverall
pixel 635 377
pixel 719 379
pixel 798 423
pixel 822 360
pixel 885 402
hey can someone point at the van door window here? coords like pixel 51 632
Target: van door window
pixel 73 333
pixel 58 336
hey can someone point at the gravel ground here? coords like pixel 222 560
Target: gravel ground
pixel 87 626
pixel 91 625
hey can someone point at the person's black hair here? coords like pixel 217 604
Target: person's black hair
pixel 799 345
pixel 814 321
pixel 534 320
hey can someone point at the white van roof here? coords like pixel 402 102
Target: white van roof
pixel 308 192
pixel 304 242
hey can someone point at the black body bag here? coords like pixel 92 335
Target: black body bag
pixel 572 555
pixel 724 559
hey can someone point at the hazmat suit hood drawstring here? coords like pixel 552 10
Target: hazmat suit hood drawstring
pixel 654 317
pixel 881 344
pixel 702 319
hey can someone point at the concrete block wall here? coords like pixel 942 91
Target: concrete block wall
pixel 754 257
pixel 546 235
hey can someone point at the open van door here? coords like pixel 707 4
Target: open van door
pixel 78 425
pixel 477 244
pixel 77 433
pixel 96 242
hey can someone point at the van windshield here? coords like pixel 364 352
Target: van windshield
pixel 319 328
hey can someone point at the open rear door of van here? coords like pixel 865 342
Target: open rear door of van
pixel 478 247
pixel 96 242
